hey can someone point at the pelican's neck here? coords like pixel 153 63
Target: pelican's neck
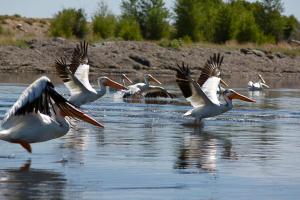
pixel 60 118
pixel 146 78
pixel 102 88
pixel 228 101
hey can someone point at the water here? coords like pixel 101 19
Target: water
pixel 146 151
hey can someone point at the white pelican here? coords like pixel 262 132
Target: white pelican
pixel 204 99
pixel 39 115
pixel 140 90
pixel 260 85
pixel 76 78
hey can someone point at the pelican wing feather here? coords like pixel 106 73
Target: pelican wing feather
pixel 211 68
pixel 190 89
pixel 74 85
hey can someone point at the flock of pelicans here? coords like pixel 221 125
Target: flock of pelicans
pixel 41 113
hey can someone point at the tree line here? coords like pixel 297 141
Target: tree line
pixel 190 20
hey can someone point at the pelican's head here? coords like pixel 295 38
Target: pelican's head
pixel 105 81
pixel 231 94
pixel 149 77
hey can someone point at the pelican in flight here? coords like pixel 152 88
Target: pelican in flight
pixel 260 85
pixel 76 78
pixel 39 115
pixel 204 99
pixel 140 90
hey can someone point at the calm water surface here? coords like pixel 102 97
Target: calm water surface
pixel 148 150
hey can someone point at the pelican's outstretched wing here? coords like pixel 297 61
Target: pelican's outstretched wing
pixel 210 88
pixel 79 64
pixel 41 97
pixel 74 85
pixel 156 91
pixel 211 68
pixel 190 88
pixel 79 56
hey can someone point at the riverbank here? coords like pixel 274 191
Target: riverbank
pixel 113 57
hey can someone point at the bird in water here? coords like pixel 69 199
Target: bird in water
pixel 145 90
pixel 40 115
pixel 204 99
pixel 76 77
pixel 258 86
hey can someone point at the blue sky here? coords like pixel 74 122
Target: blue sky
pixel 47 8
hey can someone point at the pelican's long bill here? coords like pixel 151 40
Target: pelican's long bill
pixel 265 85
pixel 128 79
pixel 236 95
pixel 154 79
pixel 114 85
pixel 223 82
pixel 70 110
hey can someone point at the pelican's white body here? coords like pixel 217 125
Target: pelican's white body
pixel 205 101
pixel 80 88
pixel 32 128
pixel 256 86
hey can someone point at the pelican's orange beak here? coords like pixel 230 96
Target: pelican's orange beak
pixel 236 95
pixel 114 84
pixel 124 76
pixel 223 83
pixel 70 110
pixel 154 79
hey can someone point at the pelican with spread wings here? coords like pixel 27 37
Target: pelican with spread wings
pixel 202 94
pixel 258 86
pixel 39 115
pixel 76 77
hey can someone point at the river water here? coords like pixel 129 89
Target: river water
pixel 147 150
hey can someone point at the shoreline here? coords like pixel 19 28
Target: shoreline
pixel 136 58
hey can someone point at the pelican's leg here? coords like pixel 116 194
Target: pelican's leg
pixel 197 121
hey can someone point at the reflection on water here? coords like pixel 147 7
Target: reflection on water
pixel 27 183
pixel 145 152
pixel 200 150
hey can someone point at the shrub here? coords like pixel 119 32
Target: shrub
pixel 104 23
pixel 129 29
pixel 104 26
pixel 69 22
pixel 174 44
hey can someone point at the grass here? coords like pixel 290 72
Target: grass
pixel 4 41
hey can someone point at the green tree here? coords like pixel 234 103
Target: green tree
pixel 290 27
pixel 129 8
pixel 128 29
pixel 69 22
pixel 223 24
pixel 103 22
pixel 154 16
pixel 187 21
pixel 247 30
pixel 269 19
pixel 151 15
pixel 195 18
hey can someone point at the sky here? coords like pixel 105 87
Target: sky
pixel 47 8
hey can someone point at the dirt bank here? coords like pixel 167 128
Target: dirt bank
pixel 138 57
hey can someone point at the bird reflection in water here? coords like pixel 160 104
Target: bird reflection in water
pixel 200 150
pixel 27 183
